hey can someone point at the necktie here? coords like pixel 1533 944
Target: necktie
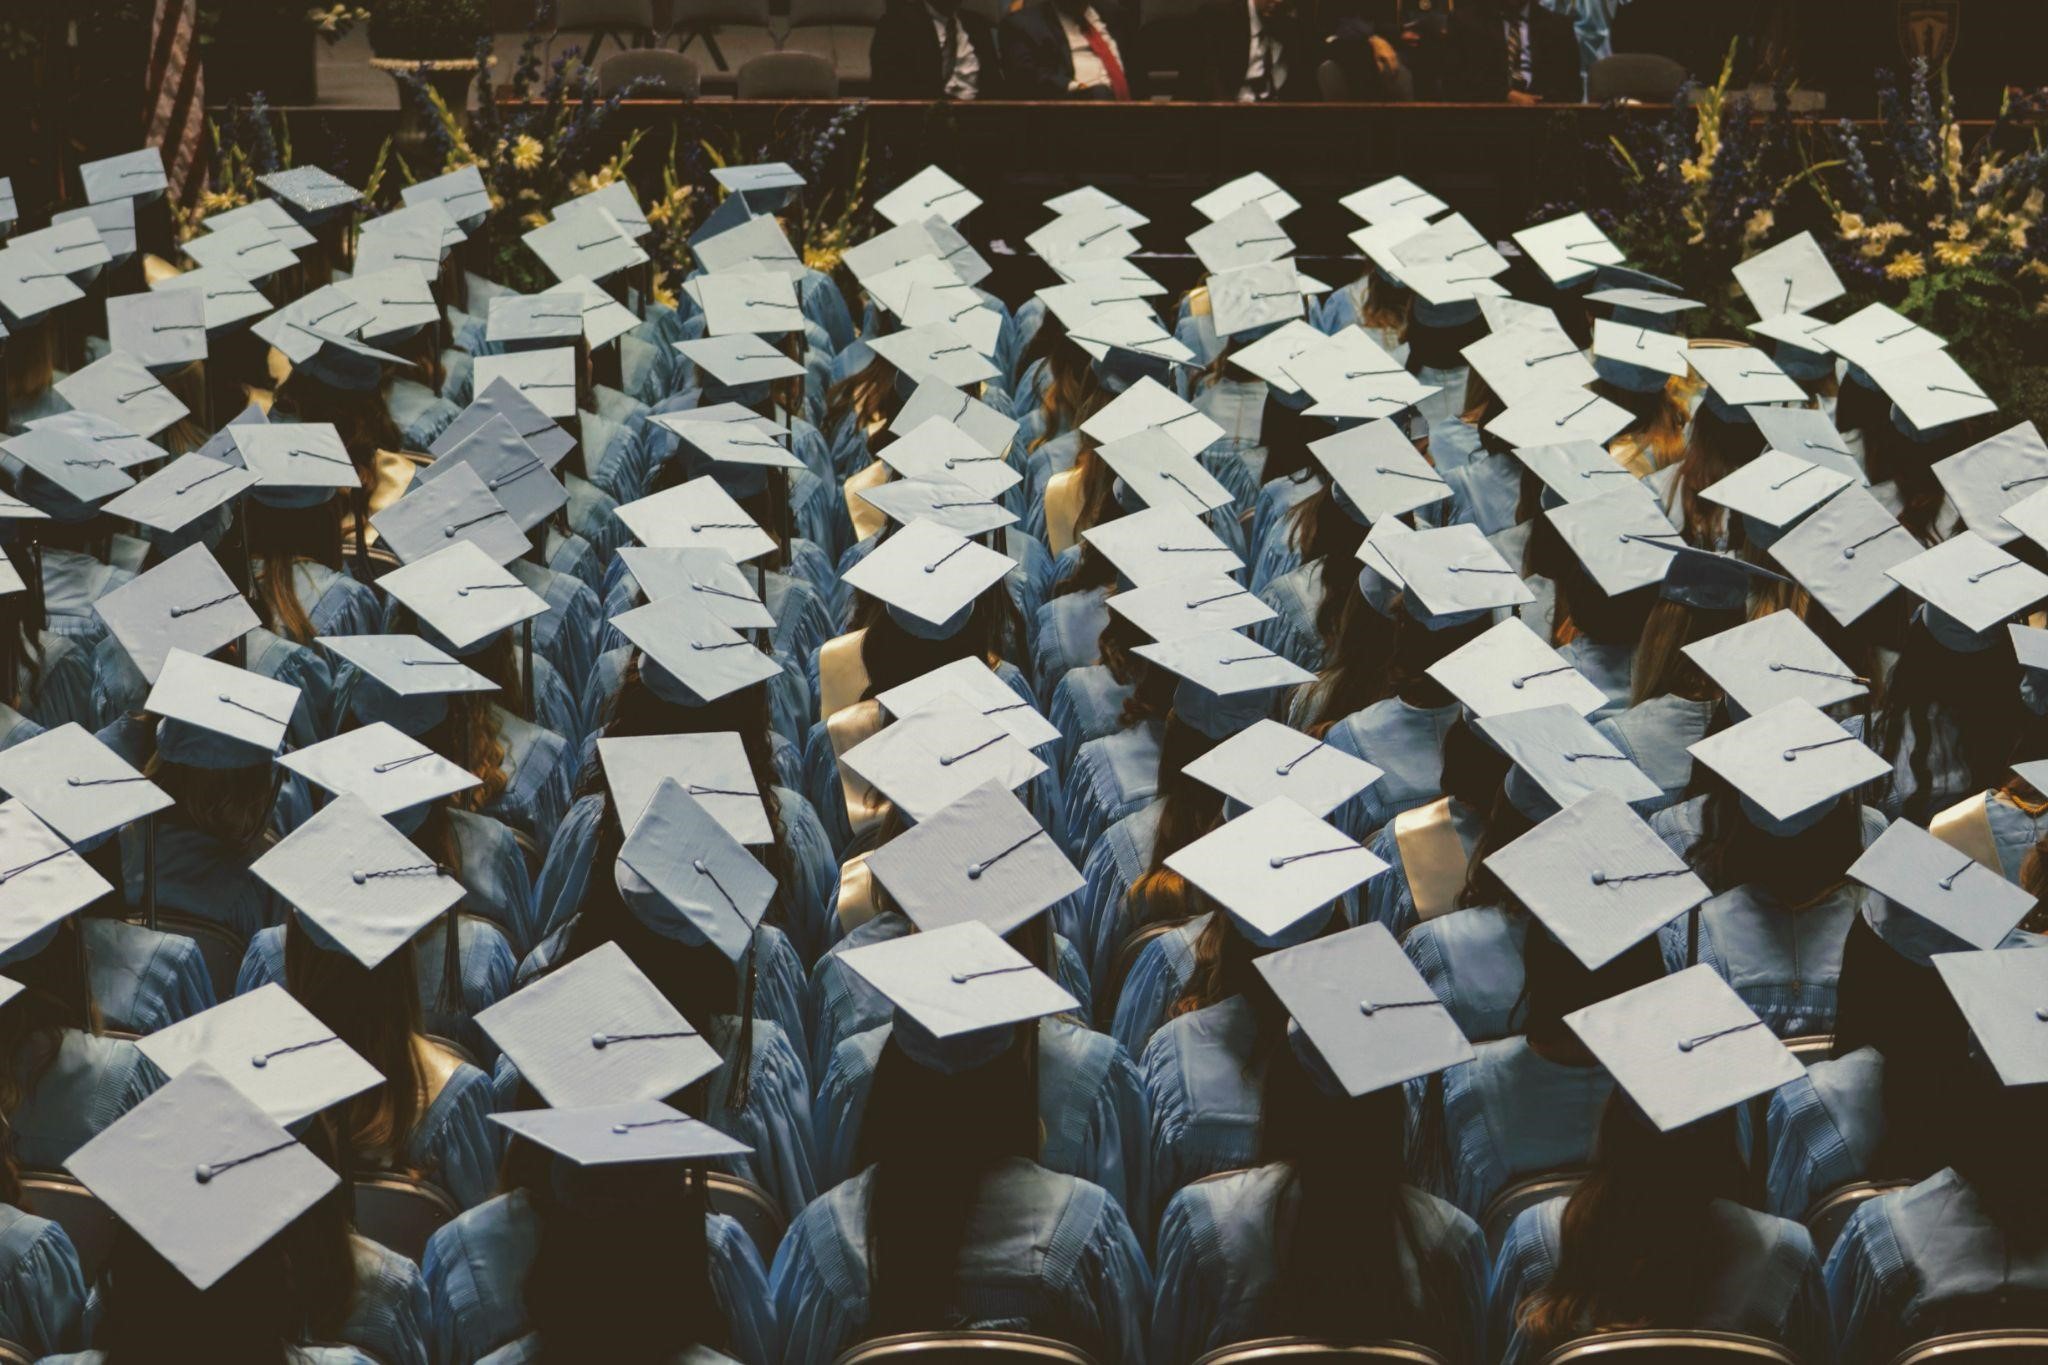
pixel 1119 88
pixel 951 55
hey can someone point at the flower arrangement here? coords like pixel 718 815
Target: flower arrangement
pixel 337 21
pixel 428 30
pixel 245 142
pixel 1946 232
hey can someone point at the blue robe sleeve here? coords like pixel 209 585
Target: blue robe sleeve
pixel 1808 1330
pixel 1868 1287
pixel 1113 1284
pixel 42 1292
pixel 1113 1153
pixel 817 1312
pixel 390 1315
pixel 1148 992
pixel 779 983
pixel 1522 1267
pixel 62 692
pixel 455 1144
pixel 1186 1309
pixel 262 961
pixel 811 901
pixel 739 1286
pixel 842 1100
pixel 775 1121
pixel 565 869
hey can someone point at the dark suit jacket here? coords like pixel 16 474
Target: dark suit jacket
pixel 903 58
pixel 1036 62
pixel 1219 41
pixel 1470 62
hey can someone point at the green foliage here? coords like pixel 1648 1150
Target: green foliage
pixel 427 30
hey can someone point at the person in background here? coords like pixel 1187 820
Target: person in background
pixel 1071 49
pixel 1593 22
pixel 932 50
pixel 1494 50
pixel 1250 51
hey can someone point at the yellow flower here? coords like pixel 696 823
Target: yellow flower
pixel 1907 265
pixel 1958 231
pixel 2034 203
pixel 1872 249
pixel 1694 172
pixel 2038 269
pixel 580 184
pixel 534 220
pixel 2017 235
pixel 525 152
pixel 1849 225
pixel 1956 253
pixel 1760 223
pixel 657 214
pixel 1927 184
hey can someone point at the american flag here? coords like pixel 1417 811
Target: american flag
pixel 176 94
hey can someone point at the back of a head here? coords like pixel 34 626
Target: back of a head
pixel 1555 983
pixel 152 1313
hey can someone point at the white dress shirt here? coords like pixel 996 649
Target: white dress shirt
pixel 964 82
pixel 1265 66
pixel 1089 72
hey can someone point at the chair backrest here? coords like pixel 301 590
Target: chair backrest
pixel 89 1224
pixel 1832 1211
pixel 965 1348
pixel 1524 1194
pixel 701 14
pixel 604 14
pixel 1647 76
pixel 1330 81
pixel 2007 1346
pixel 817 13
pixel 1309 1351
pixel 751 1206
pixel 220 947
pixel 788 76
pixel 1126 958
pixel 401 1211
pixel 1666 1347
pixel 663 74
pixel 10 1354
pixel 1811 1047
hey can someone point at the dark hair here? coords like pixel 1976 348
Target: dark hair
pixel 1960 709
pixel 867 393
pixel 55 996
pixel 376 1011
pixel 891 655
pixel 1716 448
pixel 1661 667
pixel 1354 671
pixel 1887 1001
pixel 1555 982
pixel 279 537
pixel 1324 535
pixel 1188 809
pixel 22 621
pixel 1799 868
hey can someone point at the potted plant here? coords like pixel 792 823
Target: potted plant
pixel 438 39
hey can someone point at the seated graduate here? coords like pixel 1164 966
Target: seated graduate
pixel 1963 1250
pixel 564 1252
pixel 953 1223
pixel 42 1289
pixel 211 1193
pixel 1322 1239
pixel 45 678
pixel 1632 1247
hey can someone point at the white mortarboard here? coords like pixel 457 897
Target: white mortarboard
pixel 397 300
pixel 1449 248
pixel 614 197
pixel 1369 1015
pixel 407 665
pixel 1247 235
pixel 937 449
pixel 1395 198
pixel 1378 470
pixel 462 594
pixel 387 769
pixel 955 506
pixel 272 1049
pixel 1509 668
pixel 113 221
pixel 971 682
pixel 1194 604
pixel 712 769
pixel 1684 1047
pixel 105 436
pixel 739 360
pixel 1774 658
pixel 934 352
pixel 589 243
pixel 1098 234
pixel 1598 877
pixel 362 886
pixel 605 319
pixel 1161 544
pixel 925 761
pixel 545 378
pixel 455 506
pixel 691 646
pixel 1132 328
pixel 406 244
pixel 76 246
pixel 756 244
pixel 122 389
pixel 1874 334
pixel 163 329
pixel 984 858
pixel 70 462
pixel 1559 751
pixel 1775 489
pixel 1797 331
pixel 285 455
pixel 1152 465
pixel 31 284
pixel 1258 187
pixel 1644 348
pixel 127 176
pixel 597 1031
pixel 1123 274
pixel 1931 389
pixel 1994 475
pixel 959 979
pixel 1790 759
pixel 510 470
pixel 1253 296
pixel 310 192
pixel 2000 993
pixel 1742 375
pixel 1569 249
pixel 75 784
pixel 765 186
pixel 685 877
pixel 535 427
pixel 534 317
pixel 635 1133
pixel 1150 405
pixel 1972 580
pixel 1527 361
pixel 965 310
pixel 751 303
pixel 247 248
pixel 1554 416
pixel 1074 304
pixel 1942 885
pixel 885 251
pixel 180 493
pixel 929 572
pixel 272 215
pixel 930 193
pixel 1273 867
pixel 1267 759
pixel 215 711
pixel 956 251
pixel 1573 471
pixel 991 429
pixel 896 287
pixel 1270 357
pixel 187 602
pixel 711 578
pixel 1224 663
pixel 732 441
pixel 43 881
pixel 1503 314
pixel 1622 537
pixel 699 513
pixel 1843 551
pixel 1808 434
pixel 461 193
pixel 302 327
pixel 1452 570
pixel 1090 197
pixel 202 1174
pixel 1791 277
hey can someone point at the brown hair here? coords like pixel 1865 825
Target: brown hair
pixel 376 1011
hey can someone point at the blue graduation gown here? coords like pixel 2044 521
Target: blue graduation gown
pixel 476 1268
pixel 1766 1283
pixel 1218 1262
pixel 1823 1128
pixel 1407 743
pixel 1510 1113
pixel 390 1316
pixel 1087 703
pixel 72 582
pixel 1278 497
pixel 1045 1253
pixel 61 691
pixel 1204 1088
pixel 1607 667
pixel 1655 734
pixel 540 766
pixel 1158 977
pixel 143 980
pixel 1472 960
pixel 42 1290
pixel 1111 777
pixel 1388 898
pixel 1065 635
pixel 91 1082
pixel 565 635
pixel 1783 961
pixel 1296 596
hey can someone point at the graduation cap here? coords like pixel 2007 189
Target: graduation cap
pixel 272 1049
pixel 934 352
pixel 1991 477
pixel 1967 902
pixel 699 513
pixel 74 241
pixel 1245 236
pixel 589 243
pixel 1154 467
pixel 1528 361
pixel 200 1172
pixel 42 883
pixel 687 879
pixel 690 657
pixel 1091 197
pixel 1972 581
pixel 312 194
pixel 1807 434
pixel 1684 1047
pixel 31 284
pixel 398 257
pixel 1272 355
pixel 1085 235
pixel 77 785
pixel 2000 993
pixel 614 197
pixel 1258 187
pixel 1621 538
pixel 712 769
pixel 1559 757
pixel 1509 668
pixel 1598 877
pixel 605 319
pixel 991 429
pixel 461 193
pixel 163 330
pixel 131 175
pixel 81 474
pixel 937 449
pixel 455 506
pixel 957 992
pixel 1791 277
pixel 750 303
pixel 120 388
pixel 1556 416
pixel 597 1031
pixel 509 469
pixel 1377 469
pixel 1266 760
pixel 983 858
pixel 955 506
pixel 346 364
pixel 360 886
pixel 247 248
pixel 529 318
pixel 708 577
pixel 404 679
pixel 1253 296
pixel 1569 249
pixel 885 251
pixel 1196 604
pixel 218 716
pixel 765 186
pixel 1451 574
pixel 1227 680
pixel 1874 334
pixel 640 1132
pixel 1160 544
pixel 503 399
pixel 739 360
pixel 1774 490
pixel 1774 658
pixel 929 575
pixel 1739 377
pixel 971 682
pixel 730 239
pixel 1276 870
pixel 1397 198
pixel 1791 762
pixel 1842 553
pixel 1367 1013
pixel 387 769
pixel 1930 389
pixel 930 193
pixel 463 595
pixel 927 760
pixel 187 602
pixel 1639 359
pixel 546 378
pixel 1573 471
